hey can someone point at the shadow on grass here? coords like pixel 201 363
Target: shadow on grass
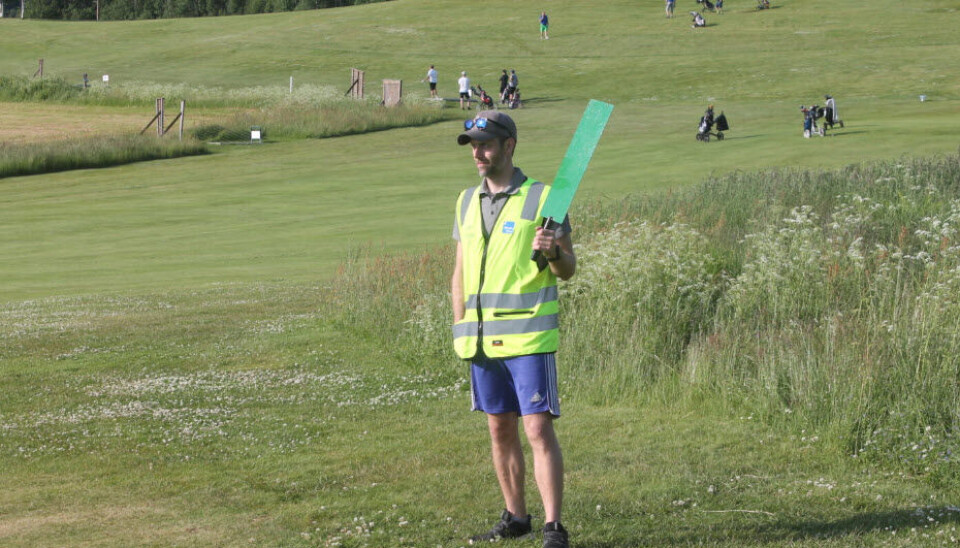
pixel 753 531
pixel 741 137
pixel 842 132
pixel 542 99
pixel 778 532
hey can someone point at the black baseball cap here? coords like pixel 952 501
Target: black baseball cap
pixel 487 125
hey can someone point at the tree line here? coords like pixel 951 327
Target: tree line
pixel 78 10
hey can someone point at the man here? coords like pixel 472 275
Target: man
pixel 670 6
pixel 432 80
pixel 464 84
pixel 505 320
pixel 544 23
pixel 831 106
pixel 504 80
pixel 512 84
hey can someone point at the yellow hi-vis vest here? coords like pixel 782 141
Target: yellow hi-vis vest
pixel 511 304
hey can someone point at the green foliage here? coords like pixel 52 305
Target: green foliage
pixel 330 119
pixel 75 10
pixel 19 88
pixel 90 152
pixel 845 319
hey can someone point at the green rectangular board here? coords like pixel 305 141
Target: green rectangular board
pixel 575 161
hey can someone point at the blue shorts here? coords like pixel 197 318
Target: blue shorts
pixel 523 384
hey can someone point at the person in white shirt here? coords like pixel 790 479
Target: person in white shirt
pixel 432 80
pixel 464 84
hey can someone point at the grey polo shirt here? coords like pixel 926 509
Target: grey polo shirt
pixel 492 204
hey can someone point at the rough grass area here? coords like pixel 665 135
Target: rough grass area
pixel 58 90
pixel 329 119
pixel 90 152
pixel 330 415
pixel 821 300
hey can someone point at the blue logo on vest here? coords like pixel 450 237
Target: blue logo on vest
pixel 508 227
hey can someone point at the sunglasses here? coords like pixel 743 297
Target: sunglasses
pixel 481 123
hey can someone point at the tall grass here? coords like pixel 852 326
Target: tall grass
pixel 826 300
pixel 329 119
pixel 90 152
pixel 136 93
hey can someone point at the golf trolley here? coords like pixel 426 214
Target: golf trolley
pixel 826 116
pixel 704 133
pixel 483 98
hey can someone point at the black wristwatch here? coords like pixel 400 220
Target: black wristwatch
pixel 556 256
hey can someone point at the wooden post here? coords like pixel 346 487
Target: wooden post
pixel 39 71
pixel 183 110
pixel 356 84
pixel 392 92
pixel 23 7
pixel 160 117
pixel 291 84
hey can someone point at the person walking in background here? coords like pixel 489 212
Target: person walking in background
pixel 670 5
pixel 544 24
pixel 505 321
pixel 719 6
pixel 464 86
pixel 432 80
pixel 504 82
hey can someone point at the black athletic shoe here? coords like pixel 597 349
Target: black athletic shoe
pixel 509 526
pixel 555 536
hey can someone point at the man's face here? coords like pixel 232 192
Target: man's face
pixel 492 157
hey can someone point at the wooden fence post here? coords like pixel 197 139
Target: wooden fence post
pixel 160 105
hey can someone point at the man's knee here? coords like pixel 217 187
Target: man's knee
pixel 539 429
pixel 504 429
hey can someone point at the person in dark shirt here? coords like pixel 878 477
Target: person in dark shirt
pixel 504 79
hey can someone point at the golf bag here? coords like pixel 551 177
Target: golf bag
pixel 698 20
pixel 486 102
pixel 707 5
pixel 706 125
pixel 722 124
pixel 514 100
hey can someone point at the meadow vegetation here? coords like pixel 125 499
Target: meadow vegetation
pixel 821 299
pixel 328 119
pixel 91 152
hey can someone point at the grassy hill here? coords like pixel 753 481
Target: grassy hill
pixel 187 359
pixel 875 57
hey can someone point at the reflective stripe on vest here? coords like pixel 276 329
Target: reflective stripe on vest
pixel 509 300
pixel 515 311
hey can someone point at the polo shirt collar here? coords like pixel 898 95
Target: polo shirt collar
pixel 515 183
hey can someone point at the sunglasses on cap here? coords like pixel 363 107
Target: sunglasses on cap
pixel 481 123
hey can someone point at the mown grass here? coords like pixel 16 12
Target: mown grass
pixel 91 152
